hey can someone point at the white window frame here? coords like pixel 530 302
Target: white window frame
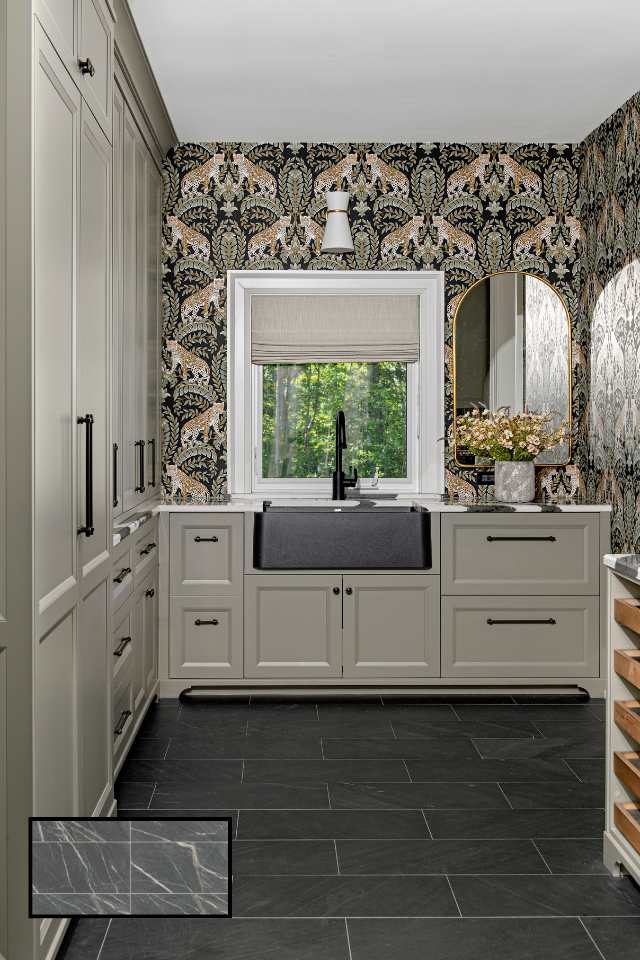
pixel 425 377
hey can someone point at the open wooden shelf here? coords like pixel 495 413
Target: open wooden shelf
pixel 627 612
pixel 626 817
pixel 626 767
pixel 626 714
pixel 626 663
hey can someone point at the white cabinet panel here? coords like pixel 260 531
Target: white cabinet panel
pixel 150 633
pixel 55 721
pixel 95 59
pixel 206 637
pixel 117 349
pixel 206 555
pixel 93 675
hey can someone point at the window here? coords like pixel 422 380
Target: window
pixel 305 344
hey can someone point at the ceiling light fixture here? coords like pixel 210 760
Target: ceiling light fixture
pixel 337 234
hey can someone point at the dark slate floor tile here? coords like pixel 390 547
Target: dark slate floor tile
pixel 273 708
pixel 490 770
pixel 617 938
pixel 390 711
pixel 565 747
pixel 256 746
pixel 182 771
pixel 200 814
pixel 330 824
pixel 469 939
pixel 534 713
pixel 322 771
pixel 405 857
pixel 518 730
pixel 588 770
pixel 415 796
pixel 546 896
pixel 516 823
pixel 83 939
pixel 101 868
pixel 377 726
pixel 134 795
pixel 342 896
pixel 236 939
pixel 284 857
pixel 528 796
pixel 150 749
pixel 192 724
pixel 599 710
pixel 172 904
pixel 573 856
pixel 413 748
pixel 180 867
pixel 241 796
pixel 209 700
pixel 573 730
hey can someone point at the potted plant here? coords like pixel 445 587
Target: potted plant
pixel 513 441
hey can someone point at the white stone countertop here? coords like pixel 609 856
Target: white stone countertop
pixel 626 564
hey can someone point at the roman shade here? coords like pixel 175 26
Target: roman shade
pixel 327 328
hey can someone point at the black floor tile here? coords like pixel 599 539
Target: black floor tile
pixel 284 857
pixel 529 796
pixel 268 707
pixel 579 746
pixel 405 857
pixel 427 712
pixel 490 770
pixel 182 771
pixel 343 896
pixel 307 746
pixel 150 749
pixel 516 823
pixel 573 856
pixel 572 729
pixel 599 710
pixel 83 939
pixel 518 730
pixel 588 770
pixel 330 824
pixel 202 814
pixel 555 713
pixel 617 938
pixel 415 796
pixel 236 939
pixel 377 726
pixel 195 724
pixel 468 939
pixel 413 748
pixel 546 896
pixel 132 795
pixel 322 771
pixel 241 796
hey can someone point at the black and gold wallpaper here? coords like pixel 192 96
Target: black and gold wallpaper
pixel 469 210
pixel 610 311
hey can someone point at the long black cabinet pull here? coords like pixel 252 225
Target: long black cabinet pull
pixel 206 623
pixel 548 622
pixel 546 539
pixel 121 576
pixel 152 444
pixel 122 722
pixel 140 444
pixel 88 528
pixel 122 646
pixel 205 539
pixel 115 475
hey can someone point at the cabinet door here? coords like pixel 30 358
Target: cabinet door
pixel 206 637
pixel 117 347
pixel 391 626
pixel 206 554
pixel 152 341
pixel 137 624
pixel 93 338
pixel 293 626
pixel 59 20
pixel 95 59
pixel 150 635
pixel 93 680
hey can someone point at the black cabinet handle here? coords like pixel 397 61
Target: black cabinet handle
pixel 206 623
pixel 149 547
pixel 115 475
pixel 140 444
pixel 150 593
pixel 205 539
pixel 119 650
pixel 86 67
pixel 123 573
pixel 546 539
pixel 152 444
pixel 122 722
pixel 548 622
pixel 336 590
pixel 88 528
pixel 349 591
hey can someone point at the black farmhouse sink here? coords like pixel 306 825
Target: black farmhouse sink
pixel 334 537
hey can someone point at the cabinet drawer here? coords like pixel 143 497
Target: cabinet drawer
pixel 121 579
pixel 145 553
pixel 121 714
pixel 206 555
pixel 95 59
pixel 205 637
pixel 520 637
pixel 122 646
pixel 520 554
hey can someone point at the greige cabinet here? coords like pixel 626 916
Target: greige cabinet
pixel 391 626
pixel 206 555
pixel 206 637
pixel 293 626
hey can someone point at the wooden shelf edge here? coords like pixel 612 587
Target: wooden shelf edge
pixel 626 719
pixel 628 825
pixel 626 664
pixel 626 771
pixel 626 612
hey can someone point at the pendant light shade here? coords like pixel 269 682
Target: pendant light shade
pixel 337 234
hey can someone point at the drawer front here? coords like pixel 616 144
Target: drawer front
pixel 122 715
pixel 205 637
pixel 206 555
pixel 145 552
pixel 520 637
pixel 121 579
pixel 520 554
pixel 122 646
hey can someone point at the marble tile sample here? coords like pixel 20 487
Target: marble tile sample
pixel 137 867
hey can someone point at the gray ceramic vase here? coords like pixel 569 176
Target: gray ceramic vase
pixel 515 481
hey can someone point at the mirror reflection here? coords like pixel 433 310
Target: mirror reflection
pixel 512 349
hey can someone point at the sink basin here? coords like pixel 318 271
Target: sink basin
pixel 324 536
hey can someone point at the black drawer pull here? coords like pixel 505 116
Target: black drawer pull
pixel 86 67
pixel 122 722
pixel 349 591
pixel 548 622
pixel 140 444
pixel 206 623
pixel 121 576
pixel 150 593
pixel 205 539
pixel 152 444
pixel 336 590
pixel 115 475
pixel 122 646
pixel 546 539
pixel 149 547
pixel 88 528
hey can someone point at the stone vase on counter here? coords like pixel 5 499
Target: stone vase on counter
pixel 515 481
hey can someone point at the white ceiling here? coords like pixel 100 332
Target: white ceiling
pixel 391 70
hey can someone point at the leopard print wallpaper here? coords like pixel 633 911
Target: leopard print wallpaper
pixel 610 309
pixel 470 210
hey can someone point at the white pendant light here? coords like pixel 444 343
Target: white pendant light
pixel 337 233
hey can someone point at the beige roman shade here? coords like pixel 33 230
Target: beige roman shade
pixel 328 328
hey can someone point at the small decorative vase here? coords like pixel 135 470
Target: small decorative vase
pixel 515 481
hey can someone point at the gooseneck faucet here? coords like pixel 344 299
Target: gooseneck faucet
pixel 339 481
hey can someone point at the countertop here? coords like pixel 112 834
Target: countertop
pixel 626 564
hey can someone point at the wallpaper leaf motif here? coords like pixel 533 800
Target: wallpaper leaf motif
pixel 467 209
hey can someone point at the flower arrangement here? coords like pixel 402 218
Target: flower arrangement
pixel 499 435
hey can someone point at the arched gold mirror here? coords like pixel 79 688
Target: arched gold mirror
pixel 512 348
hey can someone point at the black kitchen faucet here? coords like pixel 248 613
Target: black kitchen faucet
pixel 339 481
